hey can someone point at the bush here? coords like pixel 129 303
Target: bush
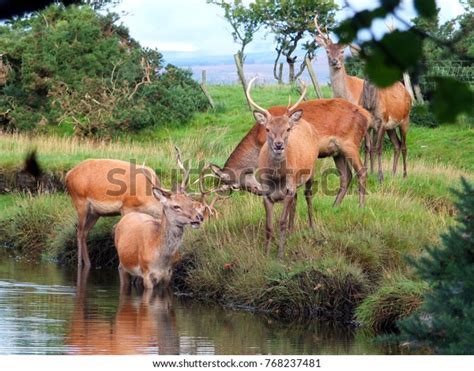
pixel 421 115
pixel 76 65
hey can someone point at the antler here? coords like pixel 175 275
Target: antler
pixel 303 94
pixel 252 102
pixel 203 193
pixel 325 36
pixel 185 171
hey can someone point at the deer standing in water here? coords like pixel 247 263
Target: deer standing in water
pixel 103 187
pixel 286 161
pixel 390 107
pixel 147 247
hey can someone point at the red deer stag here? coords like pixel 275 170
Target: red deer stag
pixel 390 107
pixel 286 161
pixel 105 188
pixel 341 127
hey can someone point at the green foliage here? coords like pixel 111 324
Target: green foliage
pixel 451 99
pixel 424 42
pixel 291 23
pixel 76 65
pixel 420 115
pixel 244 20
pixel 426 8
pixel 445 321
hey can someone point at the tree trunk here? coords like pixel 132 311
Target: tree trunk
pixel 418 95
pixel 291 72
pixel 240 73
pixel 314 79
pixel 280 74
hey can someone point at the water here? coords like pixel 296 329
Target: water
pixel 43 310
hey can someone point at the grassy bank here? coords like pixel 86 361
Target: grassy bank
pixel 354 258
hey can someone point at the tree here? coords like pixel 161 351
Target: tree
pixel 291 23
pixel 245 22
pixel 386 59
pixel 445 321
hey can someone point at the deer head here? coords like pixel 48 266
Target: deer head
pixel 335 52
pixel 180 208
pixel 278 128
pixel 237 179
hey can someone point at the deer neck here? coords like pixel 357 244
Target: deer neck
pixel 339 84
pixel 172 236
pixel 245 155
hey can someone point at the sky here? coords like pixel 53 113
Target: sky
pixel 195 27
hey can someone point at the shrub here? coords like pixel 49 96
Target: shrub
pixel 76 65
pixel 421 115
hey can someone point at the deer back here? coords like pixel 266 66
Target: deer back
pixel 113 186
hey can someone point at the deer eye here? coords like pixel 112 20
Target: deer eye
pixel 176 207
pixel 289 129
pixel 268 130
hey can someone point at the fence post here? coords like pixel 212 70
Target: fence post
pixel 204 88
pixel 314 79
pixel 240 73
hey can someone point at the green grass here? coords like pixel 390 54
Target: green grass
pixel 353 254
pixel 6 201
pixel 396 298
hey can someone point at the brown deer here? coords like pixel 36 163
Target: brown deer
pixel 286 161
pixel 390 107
pixel 341 127
pixel 102 187
pixel 148 248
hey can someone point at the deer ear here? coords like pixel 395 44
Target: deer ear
pixel 261 118
pixel 295 117
pixel 161 195
pixel 355 50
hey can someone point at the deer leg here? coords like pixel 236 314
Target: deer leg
pixel 291 217
pixel 345 177
pixel 308 194
pixel 354 158
pixel 380 135
pixel 403 136
pixel 367 148
pixel 283 224
pixel 124 278
pixel 82 211
pixel 268 223
pixel 148 281
pixel 90 220
pixel 373 146
pixel 396 148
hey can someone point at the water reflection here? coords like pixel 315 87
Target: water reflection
pixel 143 324
pixel 45 309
